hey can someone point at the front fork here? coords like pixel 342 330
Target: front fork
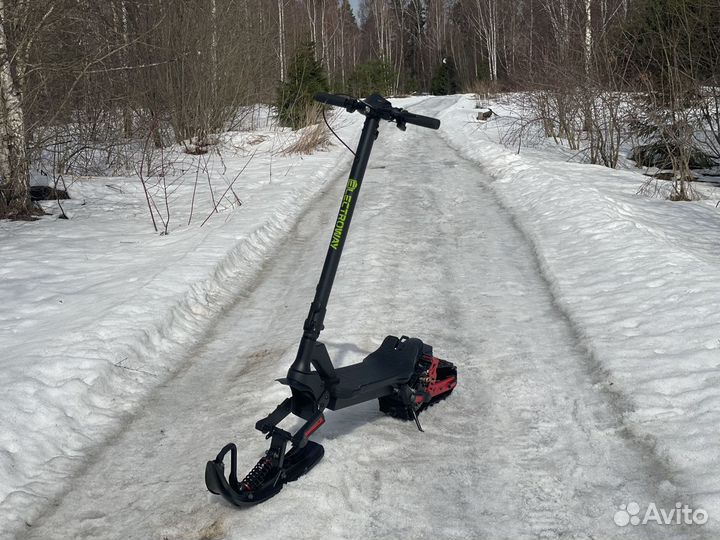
pixel 268 425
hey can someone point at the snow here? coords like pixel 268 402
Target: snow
pixel 99 309
pixel 636 276
pixel 582 317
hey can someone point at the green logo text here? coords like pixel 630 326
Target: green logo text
pixel 352 185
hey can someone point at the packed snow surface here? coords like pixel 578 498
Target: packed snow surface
pixel 582 318
pixel 637 278
pixel 99 309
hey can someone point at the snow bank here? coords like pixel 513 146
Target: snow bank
pixel 99 309
pixel 638 278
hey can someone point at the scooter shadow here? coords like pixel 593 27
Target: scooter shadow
pixel 345 421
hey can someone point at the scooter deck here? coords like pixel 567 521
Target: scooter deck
pixel 392 364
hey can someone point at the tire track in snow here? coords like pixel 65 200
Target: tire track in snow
pixel 528 445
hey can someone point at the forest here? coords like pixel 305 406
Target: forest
pixel 79 75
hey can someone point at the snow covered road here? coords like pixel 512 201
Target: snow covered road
pixel 529 445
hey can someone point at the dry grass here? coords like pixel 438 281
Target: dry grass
pixel 483 90
pixel 257 139
pixel 213 531
pixel 315 136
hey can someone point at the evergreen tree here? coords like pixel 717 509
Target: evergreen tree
pixel 305 77
pixel 347 15
pixel 374 77
pixel 445 80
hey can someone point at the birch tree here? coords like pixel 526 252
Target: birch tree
pixel 486 21
pixel 281 39
pixel 23 24
pixel 588 37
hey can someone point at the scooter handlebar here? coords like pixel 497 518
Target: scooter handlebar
pixel 335 100
pixel 419 120
pixel 380 106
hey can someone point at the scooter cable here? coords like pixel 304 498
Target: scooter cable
pixel 336 135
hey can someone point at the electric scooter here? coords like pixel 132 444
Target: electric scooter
pixel 403 374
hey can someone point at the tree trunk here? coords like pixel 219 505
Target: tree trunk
pixel 213 53
pixel 15 183
pixel 121 23
pixel 486 23
pixel 588 37
pixel 342 47
pixel 324 39
pixel 281 37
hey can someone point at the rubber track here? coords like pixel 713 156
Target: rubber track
pixel 393 406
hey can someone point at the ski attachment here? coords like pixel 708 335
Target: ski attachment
pixel 267 478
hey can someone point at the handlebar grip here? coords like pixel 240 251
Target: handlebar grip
pixel 334 100
pixel 420 120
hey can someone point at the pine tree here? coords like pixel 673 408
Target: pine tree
pixel 370 78
pixel 305 77
pixel 445 79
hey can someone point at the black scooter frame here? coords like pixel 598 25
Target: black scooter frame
pixel 311 390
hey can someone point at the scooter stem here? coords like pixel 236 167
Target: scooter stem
pixel 314 322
